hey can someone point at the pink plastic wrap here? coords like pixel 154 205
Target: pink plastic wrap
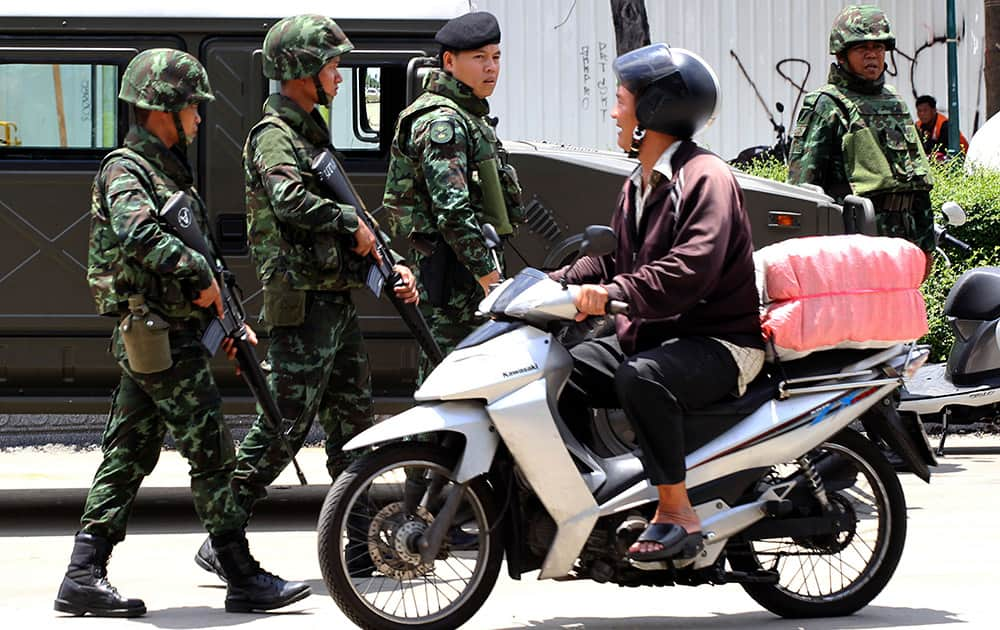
pixel 849 291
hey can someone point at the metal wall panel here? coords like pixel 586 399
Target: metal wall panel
pixel 557 83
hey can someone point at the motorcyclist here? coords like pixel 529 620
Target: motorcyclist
pixel 684 265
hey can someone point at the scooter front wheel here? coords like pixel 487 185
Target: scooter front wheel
pixel 369 526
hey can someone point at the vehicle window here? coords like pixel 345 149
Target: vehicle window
pixel 58 106
pixel 354 122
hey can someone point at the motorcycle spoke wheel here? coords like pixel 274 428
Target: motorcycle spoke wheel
pixel 837 574
pixel 368 542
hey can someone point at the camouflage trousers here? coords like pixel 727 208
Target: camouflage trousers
pixel 915 225
pixel 185 401
pixel 318 369
pixel 450 324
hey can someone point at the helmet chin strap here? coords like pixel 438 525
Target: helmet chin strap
pixel 322 98
pixel 182 142
pixel 637 135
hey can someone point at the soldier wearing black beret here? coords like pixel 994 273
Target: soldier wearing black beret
pixel 448 176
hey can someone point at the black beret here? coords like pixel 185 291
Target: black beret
pixel 469 31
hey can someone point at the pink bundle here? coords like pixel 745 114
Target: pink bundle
pixel 848 291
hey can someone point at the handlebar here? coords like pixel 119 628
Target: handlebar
pixel 951 240
pixel 616 307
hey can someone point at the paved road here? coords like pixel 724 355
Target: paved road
pixel 948 575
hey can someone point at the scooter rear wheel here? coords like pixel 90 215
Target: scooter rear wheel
pixel 832 576
pixel 367 542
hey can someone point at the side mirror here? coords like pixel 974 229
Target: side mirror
pixel 491 236
pixel 598 240
pixel 859 216
pixel 954 213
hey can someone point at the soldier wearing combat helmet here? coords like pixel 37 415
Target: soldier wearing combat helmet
pixel 448 175
pixel 162 295
pixel 308 252
pixel 855 135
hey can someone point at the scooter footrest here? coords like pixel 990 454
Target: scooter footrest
pixel 751 577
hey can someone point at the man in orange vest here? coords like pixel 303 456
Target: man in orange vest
pixel 933 128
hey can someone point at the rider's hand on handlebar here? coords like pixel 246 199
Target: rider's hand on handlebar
pixel 209 296
pixel 591 299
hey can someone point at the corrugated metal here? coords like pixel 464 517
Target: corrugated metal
pixel 557 83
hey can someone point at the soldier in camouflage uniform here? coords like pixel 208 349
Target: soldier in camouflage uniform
pixel 164 294
pixel 855 135
pixel 309 253
pixel 448 175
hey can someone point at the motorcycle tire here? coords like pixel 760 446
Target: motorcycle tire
pixel 787 601
pixel 338 519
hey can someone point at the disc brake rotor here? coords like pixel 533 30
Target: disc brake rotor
pixel 392 537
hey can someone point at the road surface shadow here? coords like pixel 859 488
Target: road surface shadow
pixel 870 617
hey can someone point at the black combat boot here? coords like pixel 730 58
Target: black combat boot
pixel 85 588
pixel 206 559
pixel 250 588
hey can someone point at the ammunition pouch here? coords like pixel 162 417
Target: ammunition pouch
pixel 283 305
pixel 146 336
pixel 512 190
pixel 440 270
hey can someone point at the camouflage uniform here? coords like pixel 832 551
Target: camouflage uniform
pixel 301 244
pixel 855 136
pixel 138 268
pixel 434 188
pixel 130 254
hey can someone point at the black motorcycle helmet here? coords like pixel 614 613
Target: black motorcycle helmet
pixel 676 91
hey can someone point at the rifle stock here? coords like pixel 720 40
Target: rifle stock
pixel 329 171
pixel 179 217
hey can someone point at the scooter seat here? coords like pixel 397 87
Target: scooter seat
pixel 975 295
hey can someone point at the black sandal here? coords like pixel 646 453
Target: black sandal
pixel 676 543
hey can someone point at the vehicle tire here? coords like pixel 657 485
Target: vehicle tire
pixel 364 510
pixel 874 562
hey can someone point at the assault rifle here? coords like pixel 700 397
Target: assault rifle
pixel 381 274
pixel 180 219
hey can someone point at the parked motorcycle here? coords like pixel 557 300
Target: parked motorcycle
pixel 958 390
pixel 800 510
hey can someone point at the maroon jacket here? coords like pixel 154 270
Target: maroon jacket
pixel 688 269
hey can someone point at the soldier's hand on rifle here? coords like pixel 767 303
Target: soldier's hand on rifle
pixel 230 348
pixel 406 289
pixel 492 277
pixel 208 297
pixel 365 242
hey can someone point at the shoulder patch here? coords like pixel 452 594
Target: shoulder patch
pixel 441 131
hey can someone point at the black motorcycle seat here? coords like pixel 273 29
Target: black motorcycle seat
pixel 976 295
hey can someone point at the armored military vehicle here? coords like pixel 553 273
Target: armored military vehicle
pixel 60 67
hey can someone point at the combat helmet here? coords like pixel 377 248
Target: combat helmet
pixel 299 46
pixel 676 91
pixel 166 80
pixel 859 23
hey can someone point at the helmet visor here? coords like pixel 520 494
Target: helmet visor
pixel 638 68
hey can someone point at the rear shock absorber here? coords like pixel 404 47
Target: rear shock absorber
pixel 815 483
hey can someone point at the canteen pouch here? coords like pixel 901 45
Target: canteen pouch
pixel 147 338
pixel 283 305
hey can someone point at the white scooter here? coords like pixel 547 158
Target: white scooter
pixel 959 389
pixel 802 511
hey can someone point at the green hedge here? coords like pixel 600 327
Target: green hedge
pixel 979 194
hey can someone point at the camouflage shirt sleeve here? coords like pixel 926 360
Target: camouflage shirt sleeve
pixel 445 167
pixel 816 155
pixel 293 203
pixel 131 212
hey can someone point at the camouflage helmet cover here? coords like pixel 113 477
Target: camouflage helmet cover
pixel 860 23
pixel 299 46
pixel 166 80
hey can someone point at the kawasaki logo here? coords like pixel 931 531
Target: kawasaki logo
pixel 520 371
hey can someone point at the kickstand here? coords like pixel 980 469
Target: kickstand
pixel 944 431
